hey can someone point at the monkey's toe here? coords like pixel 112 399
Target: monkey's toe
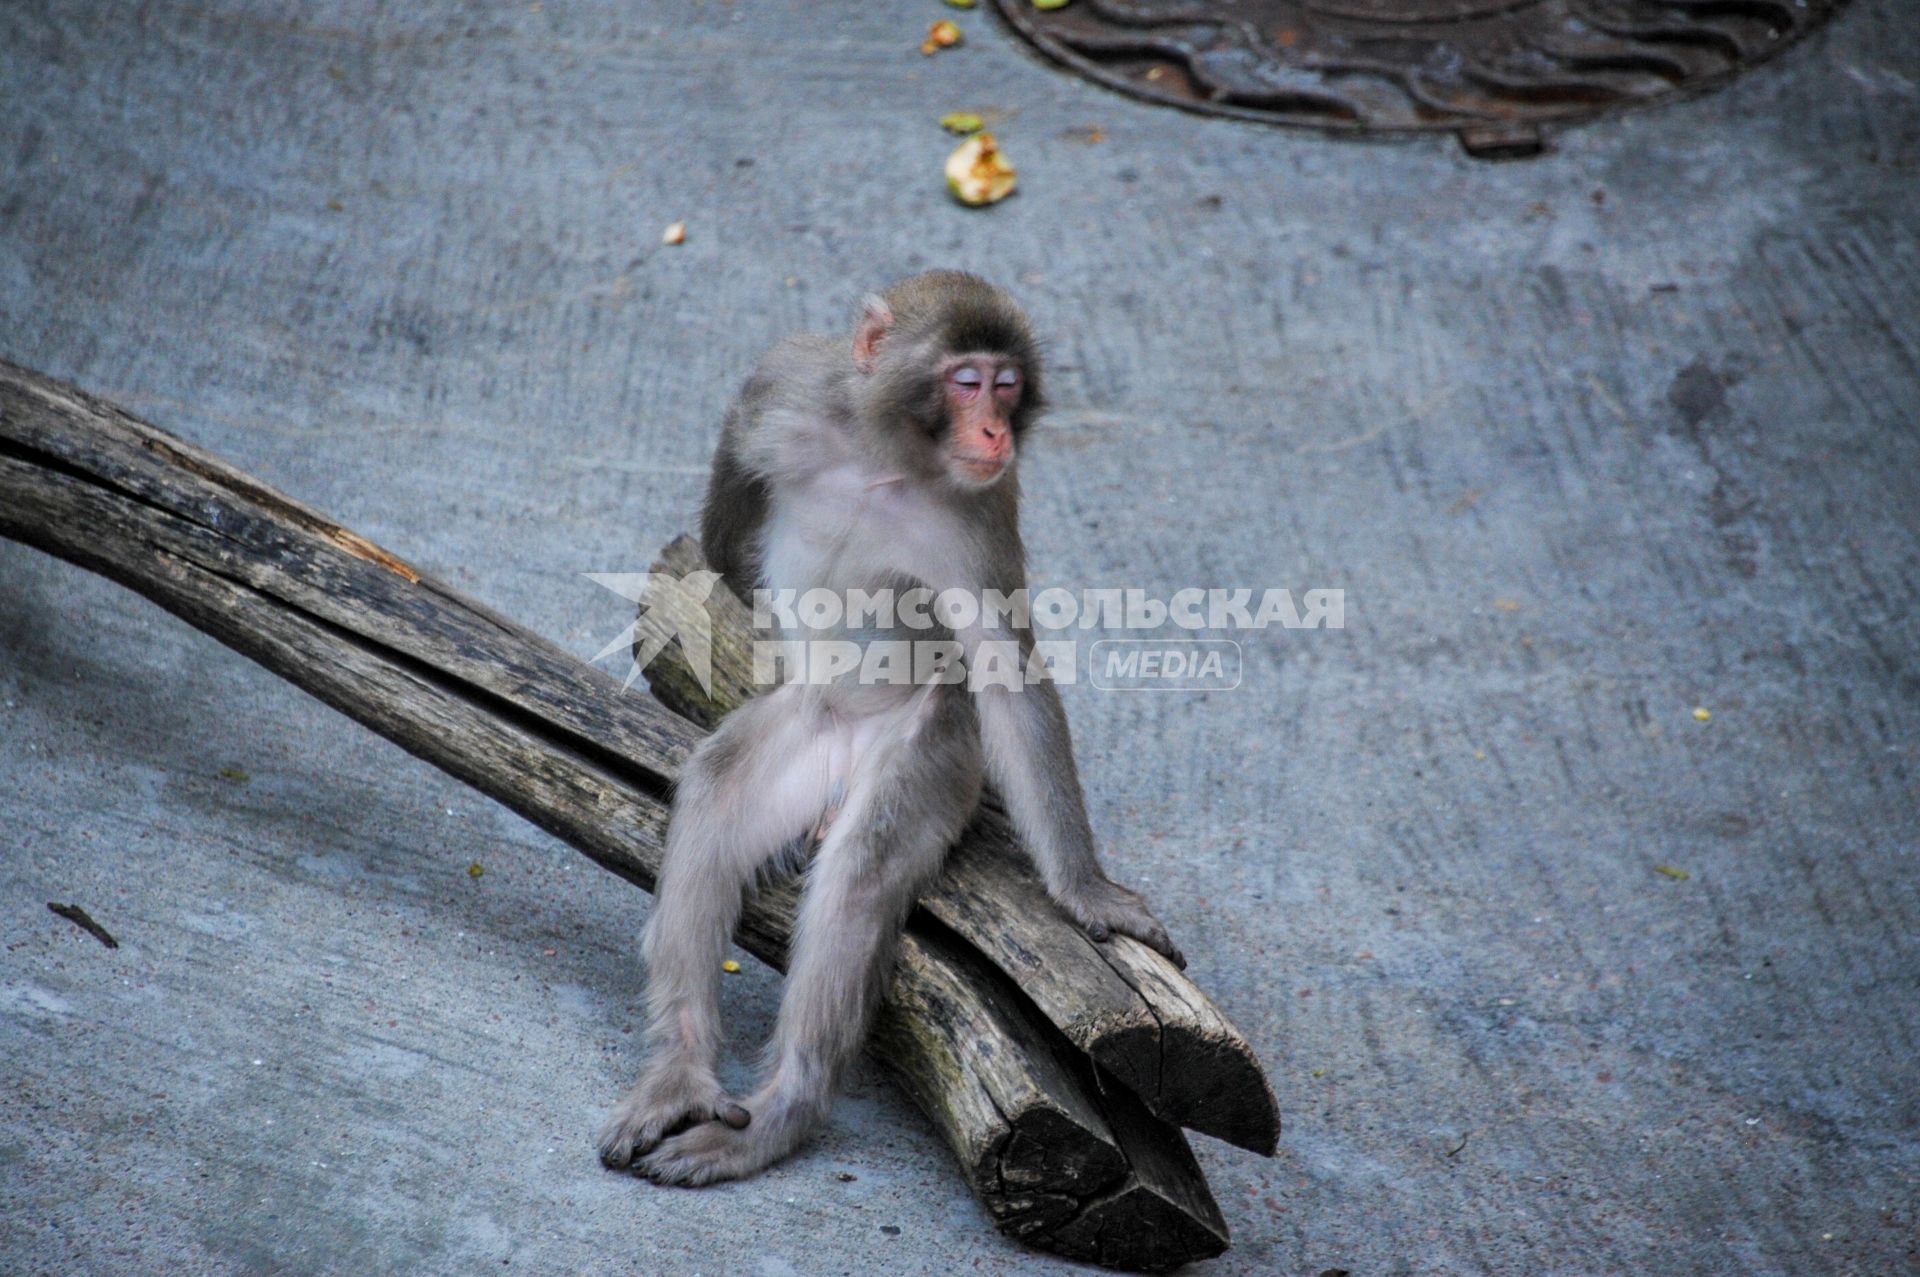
pixel 623 1137
pixel 701 1155
pixel 667 1101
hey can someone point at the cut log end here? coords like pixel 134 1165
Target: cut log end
pixel 1195 1078
pixel 1059 1167
pixel 1128 1223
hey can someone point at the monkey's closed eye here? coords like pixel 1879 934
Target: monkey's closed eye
pixel 969 377
pixel 1007 377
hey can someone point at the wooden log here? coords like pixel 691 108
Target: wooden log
pixel 1139 1017
pixel 554 739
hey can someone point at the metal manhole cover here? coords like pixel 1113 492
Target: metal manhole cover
pixel 1492 70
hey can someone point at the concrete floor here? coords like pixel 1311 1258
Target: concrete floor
pixel 1588 441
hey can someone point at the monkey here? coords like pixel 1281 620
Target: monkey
pixel 890 460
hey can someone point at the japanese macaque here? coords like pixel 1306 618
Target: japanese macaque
pixel 885 462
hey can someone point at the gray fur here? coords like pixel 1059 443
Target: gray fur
pixel 832 473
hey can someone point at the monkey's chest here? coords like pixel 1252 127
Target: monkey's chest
pixel 845 535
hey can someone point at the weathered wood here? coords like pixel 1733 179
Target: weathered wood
pixel 526 723
pixel 1136 1014
pixel 1048 1184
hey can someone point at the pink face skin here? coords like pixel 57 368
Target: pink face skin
pixel 982 391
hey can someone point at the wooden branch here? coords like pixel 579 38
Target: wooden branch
pixel 1058 1165
pixel 1136 1014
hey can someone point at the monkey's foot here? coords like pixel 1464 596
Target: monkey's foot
pixel 1106 907
pixel 666 1100
pixel 710 1154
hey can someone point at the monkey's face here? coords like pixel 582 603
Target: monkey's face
pixel 981 395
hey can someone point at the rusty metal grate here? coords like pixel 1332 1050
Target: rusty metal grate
pixel 1493 71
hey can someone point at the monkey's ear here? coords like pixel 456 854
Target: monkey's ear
pixel 876 320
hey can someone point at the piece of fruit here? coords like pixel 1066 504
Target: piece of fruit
pixel 977 173
pixel 941 35
pixel 1044 5
pixel 962 122
pixel 676 233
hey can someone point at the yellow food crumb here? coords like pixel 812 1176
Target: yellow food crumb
pixel 1678 875
pixel 474 870
pixel 1701 713
pixel 730 967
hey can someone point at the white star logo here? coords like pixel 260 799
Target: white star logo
pixel 656 626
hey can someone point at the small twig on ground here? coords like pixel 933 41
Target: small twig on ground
pixel 82 919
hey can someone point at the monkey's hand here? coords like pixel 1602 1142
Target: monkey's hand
pixel 1103 907
pixel 669 1097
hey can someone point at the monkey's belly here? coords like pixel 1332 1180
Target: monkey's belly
pixel 872 668
pixel 860 733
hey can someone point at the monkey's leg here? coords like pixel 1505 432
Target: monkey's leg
pixel 751 788
pixel 912 792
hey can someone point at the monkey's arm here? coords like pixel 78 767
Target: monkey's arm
pixel 774 434
pixel 734 514
pixel 1030 761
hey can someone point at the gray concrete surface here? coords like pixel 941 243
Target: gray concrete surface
pixel 1589 442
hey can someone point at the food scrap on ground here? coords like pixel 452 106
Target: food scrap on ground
pixel 941 35
pixel 730 967
pixel 1678 875
pixel 962 122
pixel 977 172
pixel 474 870
pixel 1701 714
pixel 676 233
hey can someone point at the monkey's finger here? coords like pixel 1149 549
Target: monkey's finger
pixel 1155 937
pixel 1099 931
pixel 1163 944
pixel 735 1116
